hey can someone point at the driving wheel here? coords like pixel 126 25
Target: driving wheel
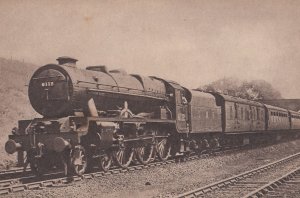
pixel 163 149
pixel 79 160
pixel 123 156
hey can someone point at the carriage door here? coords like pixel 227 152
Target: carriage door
pixel 181 111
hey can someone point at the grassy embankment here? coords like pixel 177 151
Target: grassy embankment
pixel 14 103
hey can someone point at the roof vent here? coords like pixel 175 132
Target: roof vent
pixel 67 61
pixel 98 68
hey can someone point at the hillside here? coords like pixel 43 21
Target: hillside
pixel 14 103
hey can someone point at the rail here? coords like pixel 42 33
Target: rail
pixel 234 179
pixel 272 185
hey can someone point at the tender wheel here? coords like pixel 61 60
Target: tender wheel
pixel 123 156
pixel 105 162
pixel 79 160
pixel 163 149
pixel 145 153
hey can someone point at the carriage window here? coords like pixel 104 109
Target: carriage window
pixel 206 114
pixel 236 108
pixel 242 113
pixel 231 113
pixel 247 115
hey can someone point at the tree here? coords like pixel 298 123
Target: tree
pixel 253 90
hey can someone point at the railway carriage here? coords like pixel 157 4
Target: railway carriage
pixel 277 118
pixel 295 120
pixel 240 115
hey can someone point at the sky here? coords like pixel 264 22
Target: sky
pixel 193 42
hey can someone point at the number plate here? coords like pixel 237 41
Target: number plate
pixel 47 84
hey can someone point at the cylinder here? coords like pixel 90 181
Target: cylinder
pixel 11 146
pixel 59 144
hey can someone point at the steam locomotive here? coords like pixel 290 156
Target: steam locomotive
pixel 97 117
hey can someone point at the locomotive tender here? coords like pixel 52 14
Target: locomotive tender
pixel 97 117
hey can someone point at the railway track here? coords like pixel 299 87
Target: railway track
pixel 11 171
pixel 12 174
pixel 253 183
pixel 286 186
pixel 30 181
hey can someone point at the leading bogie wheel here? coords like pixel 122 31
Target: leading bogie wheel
pixel 79 160
pixel 37 167
pixel 163 149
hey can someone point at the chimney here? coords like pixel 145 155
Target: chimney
pixel 67 61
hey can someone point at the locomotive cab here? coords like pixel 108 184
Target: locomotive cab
pixel 179 101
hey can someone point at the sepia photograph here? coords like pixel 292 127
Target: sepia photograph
pixel 150 98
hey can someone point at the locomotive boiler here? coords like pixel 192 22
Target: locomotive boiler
pixel 59 90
